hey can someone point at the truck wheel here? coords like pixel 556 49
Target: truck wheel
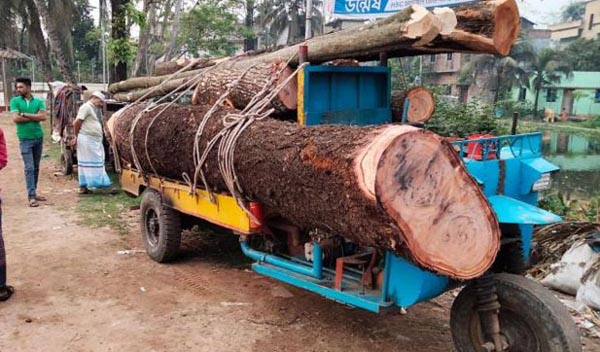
pixel 531 319
pixel 161 228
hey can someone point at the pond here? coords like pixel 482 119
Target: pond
pixel 579 160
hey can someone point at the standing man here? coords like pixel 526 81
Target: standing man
pixel 28 111
pixel 90 150
pixel 5 290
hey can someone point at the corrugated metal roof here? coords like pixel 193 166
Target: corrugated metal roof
pixel 12 54
pixel 579 79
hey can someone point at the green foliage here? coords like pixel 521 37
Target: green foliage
pixel 583 54
pixel 523 108
pixel 571 210
pixel 134 15
pixel 405 72
pixel 210 30
pixel 120 50
pixel 452 119
pixel 574 11
pixel 592 123
pixel 85 34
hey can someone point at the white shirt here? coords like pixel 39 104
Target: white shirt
pixel 91 117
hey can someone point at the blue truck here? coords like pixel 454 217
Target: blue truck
pixel 499 311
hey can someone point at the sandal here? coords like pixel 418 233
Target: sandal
pixel 84 191
pixel 40 198
pixel 8 291
pixel 33 203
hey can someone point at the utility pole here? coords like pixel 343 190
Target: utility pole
pixel 308 26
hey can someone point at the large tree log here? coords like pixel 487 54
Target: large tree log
pixel 170 67
pixel 392 187
pixel 246 84
pixel 420 109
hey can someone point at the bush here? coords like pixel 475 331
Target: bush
pixel 593 122
pixel 454 119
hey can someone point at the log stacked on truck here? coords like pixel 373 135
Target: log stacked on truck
pixel 420 108
pixel 485 27
pixel 393 187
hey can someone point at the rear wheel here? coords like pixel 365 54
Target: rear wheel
pixel 161 228
pixel 531 319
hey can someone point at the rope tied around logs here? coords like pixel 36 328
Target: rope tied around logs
pixel 155 105
pixel 234 124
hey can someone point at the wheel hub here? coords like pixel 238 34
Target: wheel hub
pixel 152 227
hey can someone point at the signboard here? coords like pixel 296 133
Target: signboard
pixel 370 9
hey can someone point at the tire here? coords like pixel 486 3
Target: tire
pixel 161 228
pixel 531 318
pixel 66 162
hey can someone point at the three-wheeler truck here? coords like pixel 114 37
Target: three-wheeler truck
pixel 499 311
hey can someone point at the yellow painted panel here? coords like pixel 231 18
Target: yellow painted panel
pixel 224 212
pixel 301 116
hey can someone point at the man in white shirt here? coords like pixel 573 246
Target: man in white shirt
pixel 90 150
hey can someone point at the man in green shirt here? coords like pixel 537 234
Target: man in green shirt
pixel 28 111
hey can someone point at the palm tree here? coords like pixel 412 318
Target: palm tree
pixel 503 72
pixel 574 11
pixel 277 15
pixel 545 68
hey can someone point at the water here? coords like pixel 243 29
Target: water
pixel 579 160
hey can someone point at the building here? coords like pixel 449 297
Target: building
pixel 588 27
pixel 578 94
pixel 444 69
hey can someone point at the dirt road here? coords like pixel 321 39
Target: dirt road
pixel 75 292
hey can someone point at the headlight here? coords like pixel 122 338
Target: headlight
pixel 543 183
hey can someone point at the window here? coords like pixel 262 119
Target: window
pixel 432 58
pixel 447 89
pixel 449 56
pixel 591 22
pixel 597 96
pixel 550 95
pixel 522 94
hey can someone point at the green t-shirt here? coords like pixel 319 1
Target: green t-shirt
pixel 32 129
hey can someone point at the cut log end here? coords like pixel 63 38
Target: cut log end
pixel 288 96
pixel 507 23
pixel 444 217
pixel 421 108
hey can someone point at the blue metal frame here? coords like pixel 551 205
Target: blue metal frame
pixel 346 95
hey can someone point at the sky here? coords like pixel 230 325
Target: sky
pixel 542 12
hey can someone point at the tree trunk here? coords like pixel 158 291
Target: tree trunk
pixel 170 52
pixel 393 187
pixel 170 67
pixel 538 88
pixel 140 64
pixel 214 83
pixel 118 34
pixel 421 108
pixel 36 38
pixel 56 42
pixel 249 43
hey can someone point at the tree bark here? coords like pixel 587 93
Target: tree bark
pixel 36 37
pixel 421 108
pixel 119 32
pixel 248 83
pixel 62 59
pixel 393 187
pixel 170 52
pixel 170 67
pixel 141 57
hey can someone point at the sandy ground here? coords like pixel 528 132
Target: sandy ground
pixel 76 293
